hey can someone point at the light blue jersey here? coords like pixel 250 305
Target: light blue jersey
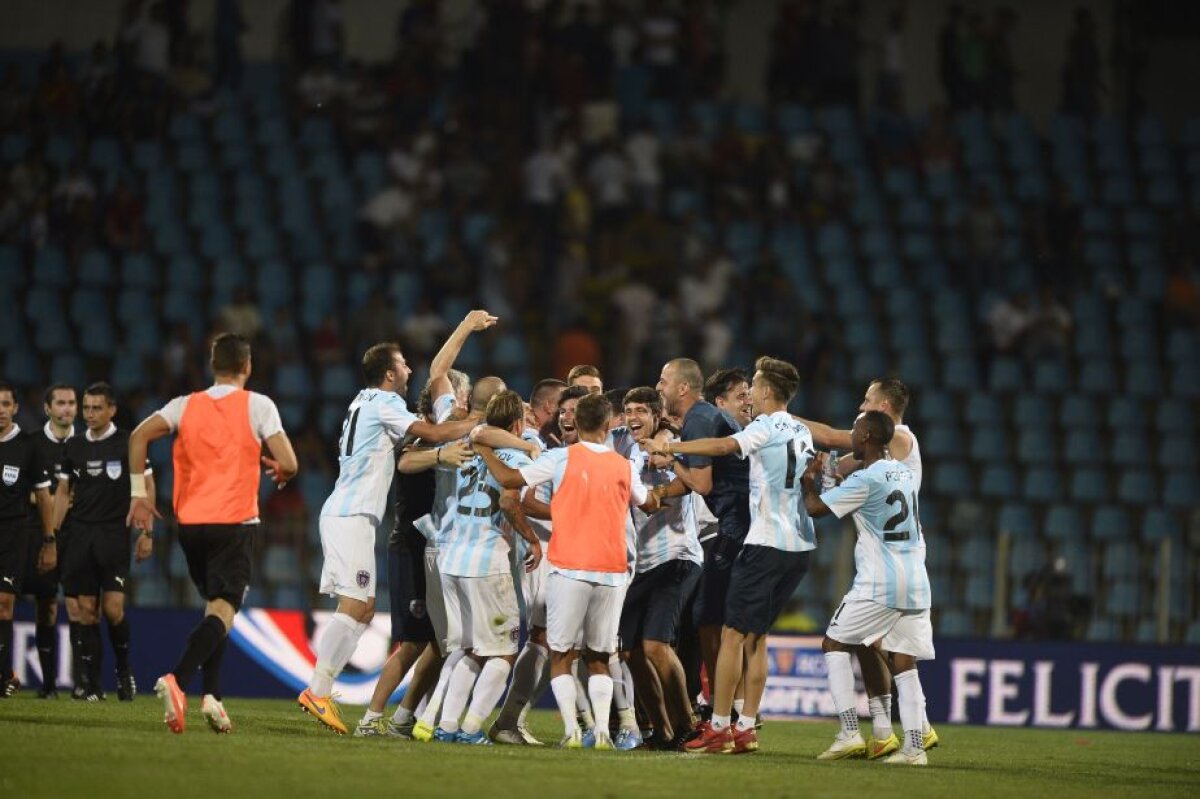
pixel 480 544
pixel 671 533
pixel 440 520
pixel 376 421
pixel 889 557
pixel 780 449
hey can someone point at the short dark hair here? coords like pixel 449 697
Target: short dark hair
pixel 880 426
pixel 723 380
pixel 896 393
pixel 592 413
pixel 616 398
pixel 48 397
pixel 572 392
pixel 781 376
pixel 646 396
pixel 11 391
pixel 543 388
pixel 583 370
pixel 101 389
pixel 689 372
pixel 230 354
pixel 504 409
pixel 377 360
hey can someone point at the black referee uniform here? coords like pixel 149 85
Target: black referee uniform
pixel 44 586
pixel 21 473
pixel 97 562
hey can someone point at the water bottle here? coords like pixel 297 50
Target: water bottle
pixel 830 473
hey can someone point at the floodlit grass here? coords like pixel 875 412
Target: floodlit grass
pixel 71 749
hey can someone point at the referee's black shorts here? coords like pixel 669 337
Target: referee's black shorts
pixel 38 584
pixel 219 559
pixel 14 541
pixel 763 580
pixel 406 589
pixel 97 559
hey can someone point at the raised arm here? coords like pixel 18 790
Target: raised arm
pixel 439 382
pixel 826 436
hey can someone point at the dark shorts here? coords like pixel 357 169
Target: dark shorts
pixel 34 583
pixel 762 582
pixel 406 590
pixel 97 559
pixel 14 541
pixel 720 552
pixel 654 602
pixel 219 559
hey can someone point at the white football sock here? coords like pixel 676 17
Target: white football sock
pixel 526 674
pixel 433 705
pixel 745 722
pixel 719 722
pixel 461 682
pixel 337 644
pixel 563 687
pixel 841 686
pixel 488 690
pixel 738 704
pixel 881 716
pixel 600 691
pixel 620 700
pixel 402 715
pixel 912 709
pixel 369 716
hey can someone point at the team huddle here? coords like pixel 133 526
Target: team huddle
pixel 646 539
pixel 642 537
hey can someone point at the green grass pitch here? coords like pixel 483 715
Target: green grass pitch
pixel 112 749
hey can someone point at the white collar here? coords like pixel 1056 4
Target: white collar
pixel 16 430
pixel 49 431
pixel 108 431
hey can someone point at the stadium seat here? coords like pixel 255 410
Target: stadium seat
pixel 1027 556
pixel 989 444
pixel 953 623
pixel 1131 447
pixel 1042 485
pixel 338 382
pixel 1063 521
pixel 1102 630
pixel 1121 560
pixel 1017 520
pixel 1125 412
pixel 1110 523
pixel 1079 413
pixel 1137 487
pixel 998 482
pixel 952 479
pixel 1158 524
pixel 1089 485
pixel 1030 410
pixel 942 441
pixel 1181 490
pixel 1036 446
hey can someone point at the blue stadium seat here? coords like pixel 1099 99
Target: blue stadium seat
pixel 1079 413
pixel 1017 520
pixel 1137 487
pixel 1143 379
pixel 293 381
pixel 1006 375
pixel 281 565
pixel 953 623
pixel 1101 630
pixel 942 440
pixel 1028 556
pixel 1111 523
pixel 1178 454
pixel 1042 484
pixel 989 442
pixel 983 409
pixel 1062 522
pixel 1030 410
pixel 338 382
pixel 1158 524
pixel 1082 447
pixel 1181 490
pixel 1035 445
pixel 1089 485
pixel 952 479
pixel 1051 377
pixel 128 371
pixel 1120 560
pixel 1121 600
pixel 1098 377
pixel 1125 412
pixel 998 482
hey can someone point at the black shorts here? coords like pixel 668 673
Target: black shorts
pixel 65 536
pixel 655 601
pixel 720 552
pixel 763 580
pixel 97 559
pixel 14 541
pixel 406 590
pixel 34 583
pixel 219 559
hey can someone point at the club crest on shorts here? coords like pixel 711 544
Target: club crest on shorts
pixel 363 578
pixel 417 609
pixel 113 469
pixel 11 473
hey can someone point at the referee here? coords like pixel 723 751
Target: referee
pixel 94 479
pixel 220 433
pixel 21 473
pixel 60 405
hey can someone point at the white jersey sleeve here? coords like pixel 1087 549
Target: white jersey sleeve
pixel 753 437
pixel 264 416
pixel 847 497
pixel 544 468
pixel 443 406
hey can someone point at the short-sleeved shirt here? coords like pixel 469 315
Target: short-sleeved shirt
pixel 671 533
pixel 480 543
pixel 97 470
pixel 264 416
pixel 51 449
pixel 889 556
pixel 779 449
pixel 550 468
pixel 542 528
pixel 375 423
pixel 445 480
pixel 730 474
pixel 21 471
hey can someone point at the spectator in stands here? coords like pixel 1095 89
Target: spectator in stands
pixel 146 41
pixel 385 216
pixel 890 90
pixel 609 177
pixel 327 31
pixel 950 58
pixel 973 53
pixel 58 100
pixel 241 316
pixel 423 330
pixel 659 40
pixel 1007 321
pixel 1081 73
pixel 982 234
pixel 1058 237
pixel 29 179
pixel 326 344
pixel 99 68
pixel 1048 331
pixel 1054 610
pixel 124 220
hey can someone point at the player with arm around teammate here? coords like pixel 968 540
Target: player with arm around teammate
pixel 890 599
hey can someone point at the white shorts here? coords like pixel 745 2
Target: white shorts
pixel 574 607
pixel 435 600
pixel 533 590
pixel 482 614
pixel 348 546
pixel 860 621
